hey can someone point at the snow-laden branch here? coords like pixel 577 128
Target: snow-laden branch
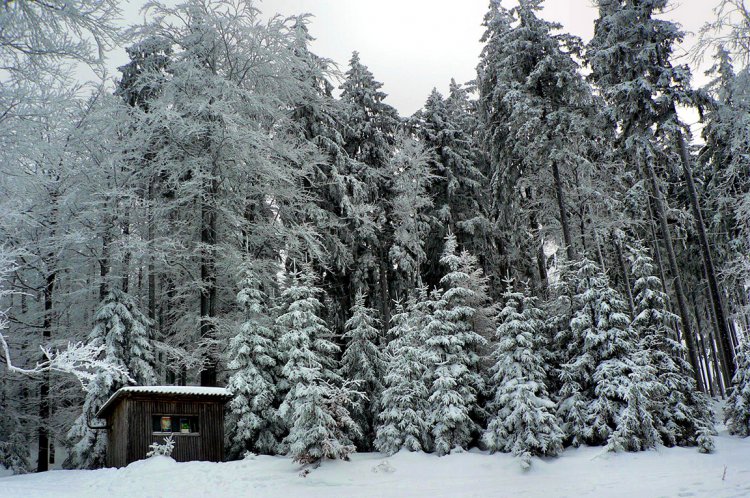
pixel 84 361
pixel 78 359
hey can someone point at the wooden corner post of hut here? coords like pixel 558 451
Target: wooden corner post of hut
pixel 138 416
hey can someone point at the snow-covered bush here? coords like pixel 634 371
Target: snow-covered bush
pixel 14 451
pixel 165 448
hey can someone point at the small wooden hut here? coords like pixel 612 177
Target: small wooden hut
pixel 138 416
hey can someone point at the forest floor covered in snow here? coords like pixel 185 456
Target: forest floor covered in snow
pixel 578 472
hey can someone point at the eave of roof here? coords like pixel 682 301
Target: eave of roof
pixel 188 391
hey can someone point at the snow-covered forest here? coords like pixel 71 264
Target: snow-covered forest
pixel 544 257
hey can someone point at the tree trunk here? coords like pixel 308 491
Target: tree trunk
pixel 726 350
pixel 44 405
pixel 599 252
pixel 662 273
pixel 707 376
pixel 539 257
pixel 104 266
pixel 712 365
pixel 657 251
pixel 625 274
pixel 385 297
pixel 705 371
pixel 720 382
pixel 743 304
pixel 44 388
pixel 151 269
pixel 208 281
pixel 564 223
pixel 128 255
pixel 126 260
pixel 726 378
pixel 717 371
pixel 658 200
pixel 541 262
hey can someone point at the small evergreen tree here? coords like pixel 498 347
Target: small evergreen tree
pixel 453 345
pixel 404 401
pixel 523 417
pixel 595 379
pixel 14 447
pixel 316 407
pixel 124 332
pixel 636 427
pixel 679 410
pixel 362 364
pixel 252 421
pixel 737 409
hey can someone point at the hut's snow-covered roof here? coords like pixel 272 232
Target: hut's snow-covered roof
pixel 191 391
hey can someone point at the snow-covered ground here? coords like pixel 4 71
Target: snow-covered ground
pixel 577 473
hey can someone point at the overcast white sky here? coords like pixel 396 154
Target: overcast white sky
pixel 414 45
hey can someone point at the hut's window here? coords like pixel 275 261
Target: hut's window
pixel 174 424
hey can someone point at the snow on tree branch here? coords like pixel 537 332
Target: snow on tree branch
pixel 79 359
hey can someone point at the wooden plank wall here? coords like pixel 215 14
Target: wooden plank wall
pixel 117 436
pixel 207 445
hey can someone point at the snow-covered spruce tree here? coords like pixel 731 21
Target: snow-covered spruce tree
pixel 338 206
pixel 540 131
pixel 737 409
pixel 726 133
pixel 362 364
pixel 453 344
pixel 14 449
pixel 370 126
pixel 522 415
pixel 316 407
pixel 371 121
pixel 403 422
pixel 630 56
pixel 680 410
pixel 124 331
pixel 595 380
pixel 252 420
pixel 408 211
pixel 456 188
pixel 636 427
